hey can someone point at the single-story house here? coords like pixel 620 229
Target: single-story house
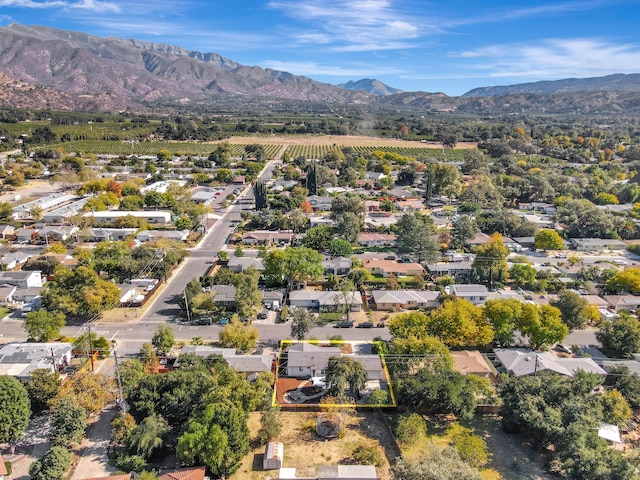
pixel 455 269
pixel 325 301
pixel 6 293
pixel 521 362
pixel 595 244
pixel 337 266
pixel 13 260
pixel 241 264
pixel 26 235
pixel 204 195
pixel 112 234
pixel 187 473
pixel 248 365
pixel 472 362
pixel 272 298
pixel 261 237
pixel 150 235
pixel 390 300
pixel 385 268
pixel 225 295
pixel 59 215
pixel 376 239
pixel 110 216
pixel 409 205
pixel 619 302
pixel 475 293
pixel 7 231
pixel 372 205
pixel 317 220
pixel 307 360
pixel 22 279
pixel 479 239
pixel 20 359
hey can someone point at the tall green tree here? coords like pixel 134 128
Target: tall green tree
pixel 163 339
pixel 318 238
pixel 573 308
pixel 148 436
pixel 218 438
pixel 490 264
pixel 343 371
pixel 301 322
pixel 464 228
pixel 459 323
pixel 504 315
pixel 548 239
pixel 622 337
pixel 68 422
pixel 260 194
pixel 416 237
pixel 42 387
pixel 292 265
pixel 237 334
pixel 53 465
pixel 44 326
pixel 14 409
pixel 248 298
pixel 542 325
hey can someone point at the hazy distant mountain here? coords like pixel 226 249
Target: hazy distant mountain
pixel 371 86
pixel 609 83
pixel 77 63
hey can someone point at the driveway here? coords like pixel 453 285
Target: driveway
pixel 93 460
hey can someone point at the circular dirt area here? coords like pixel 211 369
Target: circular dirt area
pixel 328 426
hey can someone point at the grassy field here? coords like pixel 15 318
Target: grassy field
pixel 304 451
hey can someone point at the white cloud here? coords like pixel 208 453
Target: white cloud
pixel 350 26
pixel 312 68
pixel 97 6
pixel 554 58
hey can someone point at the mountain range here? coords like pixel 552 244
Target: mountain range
pixel 49 68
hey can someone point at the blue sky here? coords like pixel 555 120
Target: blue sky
pixel 437 46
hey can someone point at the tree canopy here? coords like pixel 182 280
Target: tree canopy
pixel 14 409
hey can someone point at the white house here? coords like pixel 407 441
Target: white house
pixel 20 359
pixel 22 279
pixel 389 300
pixel 476 294
pixel 324 301
pixel 110 216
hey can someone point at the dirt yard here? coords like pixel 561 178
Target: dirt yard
pixel 347 141
pixel 305 451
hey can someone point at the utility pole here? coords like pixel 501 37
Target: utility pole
pixel 123 405
pixel 91 348
pixel 186 306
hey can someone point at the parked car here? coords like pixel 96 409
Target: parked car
pixel 344 324
pixel 564 348
pixel 365 325
pixel 263 314
pixel 380 325
pixel 204 321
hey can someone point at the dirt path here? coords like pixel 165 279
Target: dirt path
pixel 93 450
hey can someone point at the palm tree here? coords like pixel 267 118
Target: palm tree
pixel 148 436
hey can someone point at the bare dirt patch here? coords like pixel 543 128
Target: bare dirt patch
pixel 345 141
pixel 304 450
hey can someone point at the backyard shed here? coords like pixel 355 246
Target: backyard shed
pixel 273 455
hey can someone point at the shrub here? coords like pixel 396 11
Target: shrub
pixel 378 397
pixel 335 340
pixel 367 455
pixel 411 429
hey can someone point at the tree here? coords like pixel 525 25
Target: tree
pixel 270 425
pixel 184 223
pixel 260 194
pixel 464 228
pixel 292 265
pixel 218 438
pixel 627 383
pixel 542 324
pixel 548 239
pixel 148 436
pixel 319 238
pixel 442 179
pixel 348 226
pixel 68 421
pixel 626 281
pixel 490 263
pixel 524 275
pixel 42 387
pixel 90 390
pixel 407 176
pixel 44 326
pixel 237 334
pixel 412 429
pixel 14 409
pixel 416 237
pixel 483 192
pixel 6 211
pixel 340 248
pixel 53 465
pixel 343 371
pixel 459 323
pixel 503 315
pixel 437 463
pixel 622 337
pixel 163 339
pixel 248 297
pixel 471 448
pixel 573 308
pixel 301 323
